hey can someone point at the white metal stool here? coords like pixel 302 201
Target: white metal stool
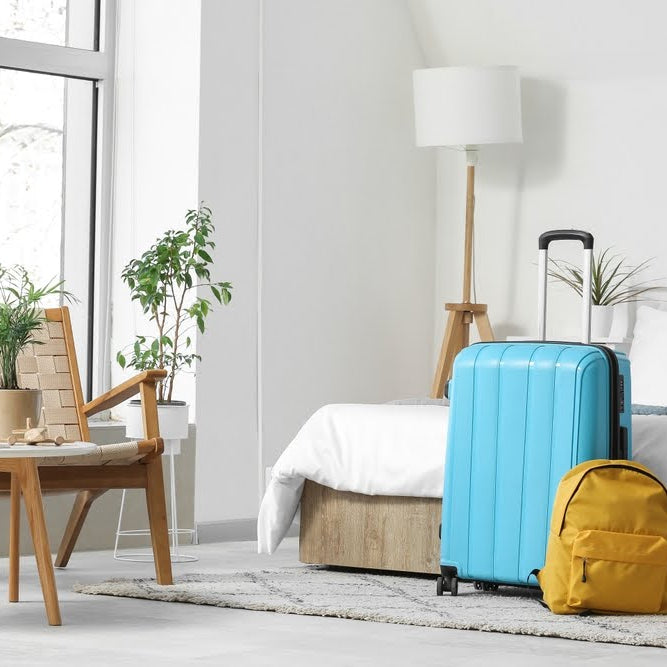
pixel 171 448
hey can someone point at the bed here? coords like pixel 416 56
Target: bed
pixel 364 510
pixel 369 479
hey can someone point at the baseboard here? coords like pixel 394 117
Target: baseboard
pixel 234 530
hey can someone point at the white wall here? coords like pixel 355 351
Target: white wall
pixel 345 243
pixel 348 212
pixel 157 145
pixel 594 104
pixel 226 471
pixel 335 288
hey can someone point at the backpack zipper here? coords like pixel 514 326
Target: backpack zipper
pixel 602 467
pixel 583 572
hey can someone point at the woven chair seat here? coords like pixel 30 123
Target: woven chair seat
pixel 121 453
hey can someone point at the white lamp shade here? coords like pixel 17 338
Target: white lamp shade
pixel 467 106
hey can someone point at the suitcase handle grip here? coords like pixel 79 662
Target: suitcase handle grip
pixel 566 235
pixel 543 271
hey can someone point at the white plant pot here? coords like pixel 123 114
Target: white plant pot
pixel 173 420
pixel 601 319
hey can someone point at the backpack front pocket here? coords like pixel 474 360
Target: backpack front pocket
pixel 618 572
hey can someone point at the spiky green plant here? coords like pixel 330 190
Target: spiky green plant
pixel 614 281
pixel 21 315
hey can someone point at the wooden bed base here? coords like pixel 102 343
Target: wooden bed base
pixel 370 532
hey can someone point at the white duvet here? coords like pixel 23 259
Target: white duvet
pixel 393 450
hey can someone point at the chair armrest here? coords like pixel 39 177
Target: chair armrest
pixel 123 391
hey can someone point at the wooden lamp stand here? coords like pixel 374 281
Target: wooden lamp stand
pixel 462 315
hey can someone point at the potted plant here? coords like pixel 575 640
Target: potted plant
pixel 614 282
pixel 21 316
pixel 163 281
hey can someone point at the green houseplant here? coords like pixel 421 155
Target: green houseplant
pixel 164 281
pixel 21 316
pixel 614 281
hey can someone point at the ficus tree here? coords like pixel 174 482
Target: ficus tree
pixel 163 280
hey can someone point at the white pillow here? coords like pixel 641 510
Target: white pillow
pixel 648 356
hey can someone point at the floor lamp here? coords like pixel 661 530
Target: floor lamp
pixel 464 108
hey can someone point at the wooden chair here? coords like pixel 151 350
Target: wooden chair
pixel 52 367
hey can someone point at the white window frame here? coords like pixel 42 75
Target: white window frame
pixel 98 67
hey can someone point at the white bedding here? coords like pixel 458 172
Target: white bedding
pixel 339 445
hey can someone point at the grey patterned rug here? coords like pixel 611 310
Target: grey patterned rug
pixel 318 591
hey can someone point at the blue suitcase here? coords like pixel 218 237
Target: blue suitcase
pixel 522 414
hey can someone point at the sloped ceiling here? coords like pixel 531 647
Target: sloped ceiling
pixel 566 38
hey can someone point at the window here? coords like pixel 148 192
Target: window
pixel 55 111
pixel 58 22
pixel 31 150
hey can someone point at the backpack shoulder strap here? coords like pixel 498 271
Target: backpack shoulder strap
pixel 567 488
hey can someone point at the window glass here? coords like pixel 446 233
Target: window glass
pixel 46 134
pixel 31 163
pixel 57 22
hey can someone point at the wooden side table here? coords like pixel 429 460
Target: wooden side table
pixel 21 462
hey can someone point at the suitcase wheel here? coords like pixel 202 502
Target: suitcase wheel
pixel 485 586
pixel 439 586
pixel 454 586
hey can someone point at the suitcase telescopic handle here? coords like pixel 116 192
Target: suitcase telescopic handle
pixel 543 272
pixel 586 238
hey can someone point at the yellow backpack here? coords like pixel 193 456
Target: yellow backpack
pixel 607 549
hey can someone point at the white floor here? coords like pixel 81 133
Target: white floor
pixel 105 631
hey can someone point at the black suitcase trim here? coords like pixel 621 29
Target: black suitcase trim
pixel 618 447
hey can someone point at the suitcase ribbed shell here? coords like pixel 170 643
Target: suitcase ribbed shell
pixel 522 414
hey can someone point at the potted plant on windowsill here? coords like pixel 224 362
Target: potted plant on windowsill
pixel 21 316
pixel 162 280
pixel 614 282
